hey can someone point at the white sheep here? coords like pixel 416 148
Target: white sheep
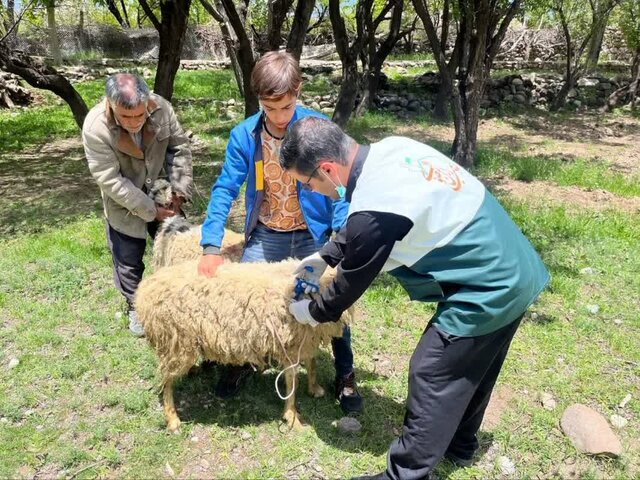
pixel 239 316
pixel 178 241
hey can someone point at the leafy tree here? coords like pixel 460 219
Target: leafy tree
pixel 172 27
pixel 579 24
pixel 481 30
pixel 40 75
pixel 630 25
pixel 368 18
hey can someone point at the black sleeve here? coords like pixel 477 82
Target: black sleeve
pixel 363 245
pixel 333 251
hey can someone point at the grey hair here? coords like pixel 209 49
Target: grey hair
pixel 127 90
pixel 313 139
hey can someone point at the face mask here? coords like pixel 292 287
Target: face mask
pixel 342 190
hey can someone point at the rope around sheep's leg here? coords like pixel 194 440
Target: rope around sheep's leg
pixel 286 369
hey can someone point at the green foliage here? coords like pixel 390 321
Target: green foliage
pixel 630 22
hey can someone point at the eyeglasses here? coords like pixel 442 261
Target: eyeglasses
pixel 306 185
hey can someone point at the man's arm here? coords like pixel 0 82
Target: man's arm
pixel 105 169
pixel 224 192
pixel 363 246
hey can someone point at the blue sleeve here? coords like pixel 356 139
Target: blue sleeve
pixel 340 212
pixel 225 190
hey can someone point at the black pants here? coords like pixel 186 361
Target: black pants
pixel 127 254
pixel 450 382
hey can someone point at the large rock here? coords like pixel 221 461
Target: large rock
pixel 589 431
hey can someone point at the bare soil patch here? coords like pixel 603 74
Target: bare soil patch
pixel 570 196
pixel 499 403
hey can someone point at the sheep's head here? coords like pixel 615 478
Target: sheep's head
pixel 161 192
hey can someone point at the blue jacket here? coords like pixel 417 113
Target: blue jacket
pixel 243 162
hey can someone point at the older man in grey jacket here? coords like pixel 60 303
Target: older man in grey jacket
pixel 132 138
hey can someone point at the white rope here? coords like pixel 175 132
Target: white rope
pixel 295 365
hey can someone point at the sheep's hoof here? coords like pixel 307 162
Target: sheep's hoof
pixel 293 420
pixel 174 425
pixel 316 391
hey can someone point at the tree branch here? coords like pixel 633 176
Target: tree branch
pixel 15 24
pixel 149 12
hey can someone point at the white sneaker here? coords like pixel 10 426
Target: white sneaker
pixel 135 326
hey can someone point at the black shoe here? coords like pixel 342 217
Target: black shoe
pixel 379 476
pixel 232 380
pixel 458 461
pixel 348 395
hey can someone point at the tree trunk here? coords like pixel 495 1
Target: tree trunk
pixel 377 55
pixel 301 20
pixel 215 12
pixel 44 77
pixel 277 12
pixel 441 106
pixel 54 41
pixel 348 92
pixel 595 44
pixel 172 30
pixel 246 59
pixel 348 57
pixel 482 28
pixel 10 20
pixel 113 9
pixel 628 92
pixel 561 98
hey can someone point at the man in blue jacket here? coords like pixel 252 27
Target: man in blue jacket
pixel 283 219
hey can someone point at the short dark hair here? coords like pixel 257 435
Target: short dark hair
pixel 313 139
pixel 275 75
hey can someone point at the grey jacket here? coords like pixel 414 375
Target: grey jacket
pixel 124 172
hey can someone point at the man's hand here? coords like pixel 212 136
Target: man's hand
pixel 176 202
pixel 209 265
pixel 163 213
pixel 310 270
pixel 300 311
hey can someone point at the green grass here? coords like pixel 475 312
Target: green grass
pixel 83 400
pixel 578 172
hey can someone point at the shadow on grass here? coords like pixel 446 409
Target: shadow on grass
pixel 49 186
pixel 257 403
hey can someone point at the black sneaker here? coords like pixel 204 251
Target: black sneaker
pixel 378 476
pixel 459 461
pixel 232 380
pixel 348 395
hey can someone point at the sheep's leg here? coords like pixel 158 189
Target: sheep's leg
pixel 291 415
pixel 173 422
pixel 314 389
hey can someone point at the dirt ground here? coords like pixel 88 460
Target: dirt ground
pixel 612 141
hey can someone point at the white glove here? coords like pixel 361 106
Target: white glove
pixel 310 270
pixel 300 311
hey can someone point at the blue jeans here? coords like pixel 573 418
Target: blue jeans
pixel 267 245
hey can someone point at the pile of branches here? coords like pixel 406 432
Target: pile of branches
pixel 12 94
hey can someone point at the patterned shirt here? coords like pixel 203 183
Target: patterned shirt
pixel 280 209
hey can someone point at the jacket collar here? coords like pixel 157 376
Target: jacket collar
pixel 255 121
pixel 124 142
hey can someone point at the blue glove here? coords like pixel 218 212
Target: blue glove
pixel 308 273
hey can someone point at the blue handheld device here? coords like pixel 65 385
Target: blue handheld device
pixel 302 284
